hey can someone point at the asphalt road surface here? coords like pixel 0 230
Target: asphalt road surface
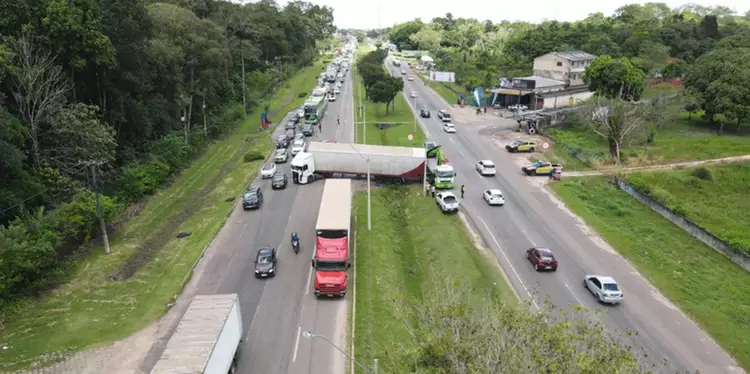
pixel 275 311
pixel 531 218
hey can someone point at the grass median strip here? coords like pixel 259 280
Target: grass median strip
pixel 412 250
pixel 703 283
pixel 91 310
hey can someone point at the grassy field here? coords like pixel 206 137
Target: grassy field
pixel 91 310
pixel 561 155
pixel 717 202
pixel 399 122
pixel 685 138
pixel 657 90
pixel 403 259
pixel 706 285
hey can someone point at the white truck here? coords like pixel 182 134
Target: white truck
pixel 207 339
pixel 387 164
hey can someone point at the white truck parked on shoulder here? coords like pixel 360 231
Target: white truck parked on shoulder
pixel 387 164
pixel 206 340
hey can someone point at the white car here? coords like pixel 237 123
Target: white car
pixel 493 197
pixel 486 167
pixel 447 202
pixel 267 171
pixel 332 98
pixel 413 94
pixel 410 78
pixel 449 128
pixel 281 156
pixel 298 146
pixel 605 289
pixel 336 91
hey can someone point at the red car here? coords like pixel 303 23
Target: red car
pixel 542 259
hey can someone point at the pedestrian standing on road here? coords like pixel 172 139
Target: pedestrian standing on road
pixel 338 120
pixel 463 190
pixel 320 126
pixel 432 190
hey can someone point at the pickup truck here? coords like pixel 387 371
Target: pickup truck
pixel 447 202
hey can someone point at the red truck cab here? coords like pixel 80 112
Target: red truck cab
pixel 332 239
pixel 331 263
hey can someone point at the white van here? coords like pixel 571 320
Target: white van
pixel 444 115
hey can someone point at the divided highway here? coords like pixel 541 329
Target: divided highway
pixel 276 310
pixel 531 218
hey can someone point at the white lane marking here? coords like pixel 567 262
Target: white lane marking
pixel 309 278
pixel 509 263
pixel 413 109
pixel 574 294
pixel 296 344
pixel 528 237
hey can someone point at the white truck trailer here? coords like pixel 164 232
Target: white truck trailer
pixel 386 164
pixel 206 340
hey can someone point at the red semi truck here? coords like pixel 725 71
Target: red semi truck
pixel 332 239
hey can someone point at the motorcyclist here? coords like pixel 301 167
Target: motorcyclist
pixel 295 240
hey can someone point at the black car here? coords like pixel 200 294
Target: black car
pixel 282 142
pixel 279 181
pixel 424 113
pixel 308 129
pixel 252 199
pixel 265 263
pixel 294 117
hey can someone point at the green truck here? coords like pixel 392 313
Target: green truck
pixel 439 172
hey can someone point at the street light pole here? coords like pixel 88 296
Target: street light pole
pixel 310 335
pixel 369 201
pixel 415 117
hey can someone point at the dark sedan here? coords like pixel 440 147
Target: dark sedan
pixel 308 129
pixel 424 113
pixel 252 199
pixel 265 263
pixel 282 142
pixel 279 181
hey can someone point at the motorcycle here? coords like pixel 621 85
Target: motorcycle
pixel 295 244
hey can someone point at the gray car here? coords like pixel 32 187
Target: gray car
pixel 290 134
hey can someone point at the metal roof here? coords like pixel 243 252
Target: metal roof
pixel 542 82
pixel 575 55
pixel 366 149
pixel 335 205
pixel 192 343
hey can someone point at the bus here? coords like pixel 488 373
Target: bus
pixel 315 108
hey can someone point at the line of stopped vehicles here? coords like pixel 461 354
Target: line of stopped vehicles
pixel 312 161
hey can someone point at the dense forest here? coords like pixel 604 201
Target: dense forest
pixel 649 35
pixel 113 98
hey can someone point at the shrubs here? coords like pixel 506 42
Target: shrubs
pixel 140 180
pixel 703 173
pixel 302 94
pixel 35 248
pixel 253 156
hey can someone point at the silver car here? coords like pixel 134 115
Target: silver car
pixel 281 156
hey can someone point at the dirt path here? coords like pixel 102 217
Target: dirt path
pixel 126 356
pixel 678 165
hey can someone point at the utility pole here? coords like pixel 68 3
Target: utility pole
pixel 94 165
pixel 244 88
pixel 203 109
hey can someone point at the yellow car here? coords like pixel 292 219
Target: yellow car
pixel 521 146
pixel 540 168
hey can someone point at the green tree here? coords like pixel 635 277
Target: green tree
pixel 455 333
pixel 614 78
pixel 675 69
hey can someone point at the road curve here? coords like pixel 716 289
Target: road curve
pixel 532 217
pixel 275 311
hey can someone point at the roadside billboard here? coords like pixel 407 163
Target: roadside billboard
pixel 443 76
pixel 519 84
